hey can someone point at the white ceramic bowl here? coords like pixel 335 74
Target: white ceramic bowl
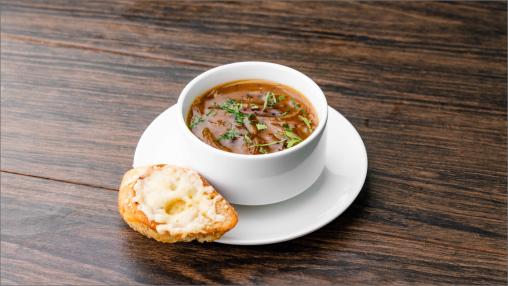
pixel 256 179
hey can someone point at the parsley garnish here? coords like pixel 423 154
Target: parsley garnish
pixel 230 134
pixel 261 126
pixel 306 121
pixel 247 139
pixel 232 107
pixel 288 137
pixel 195 121
pixel 292 140
pixel 212 112
pixel 281 97
pixel 270 100
pixel 268 144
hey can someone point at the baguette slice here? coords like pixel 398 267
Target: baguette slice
pixel 172 204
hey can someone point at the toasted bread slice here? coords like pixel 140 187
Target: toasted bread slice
pixel 172 204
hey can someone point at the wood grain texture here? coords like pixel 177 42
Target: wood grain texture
pixel 56 232
pixel 423 82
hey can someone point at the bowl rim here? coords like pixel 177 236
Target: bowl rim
pixel 187 132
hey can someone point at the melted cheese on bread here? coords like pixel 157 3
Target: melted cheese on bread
pixel 177 200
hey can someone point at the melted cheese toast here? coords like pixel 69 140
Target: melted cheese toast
pixel 172 204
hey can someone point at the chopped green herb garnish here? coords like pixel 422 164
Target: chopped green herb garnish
pixel 230 134
pixel 211 112
pixel 232 107
pixel 270 100
pixel 271 143
pixel 290 139
pixel 292 142
pixel 261 126
pixel 293 139
pixel 286 127
pixel 306 121
pixel 247 139
pixel 195 121
pixel 291 135
pixel 282 97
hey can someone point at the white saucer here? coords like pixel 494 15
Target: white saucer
pixel 331 194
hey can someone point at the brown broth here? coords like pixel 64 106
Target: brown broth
pixel 252 117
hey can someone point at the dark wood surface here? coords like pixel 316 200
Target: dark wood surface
pixel 423 82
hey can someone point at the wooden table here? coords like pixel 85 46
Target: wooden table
pixel 423 82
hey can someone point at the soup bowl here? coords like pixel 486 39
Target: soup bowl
pixel 264 178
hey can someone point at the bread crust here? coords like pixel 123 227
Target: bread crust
pixel 138 221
